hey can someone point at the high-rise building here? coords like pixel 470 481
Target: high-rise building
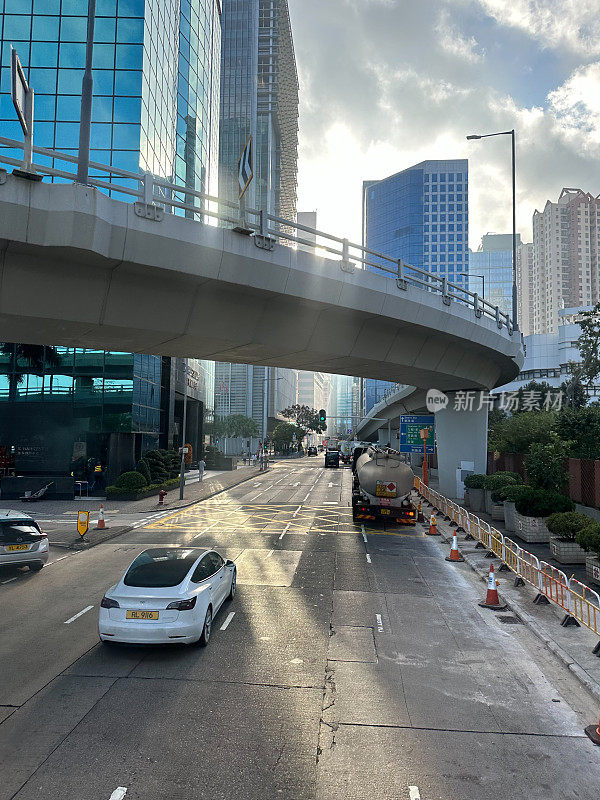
pixel 525 292
pixel 374 391
pixel 313 389
pixel 156 108
pixel 421 215
pixel 308 218
pixel 259 98
pixel 490 269
pixel 565 270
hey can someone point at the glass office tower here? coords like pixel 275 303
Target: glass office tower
pixel 156 72
pixel 490 268
pixel 259 97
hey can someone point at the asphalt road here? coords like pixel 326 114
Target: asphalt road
pixel 356 665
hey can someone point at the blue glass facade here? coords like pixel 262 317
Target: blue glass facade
pixel 421 215
pixel 374 391
pixel 156 72
pixel 496 269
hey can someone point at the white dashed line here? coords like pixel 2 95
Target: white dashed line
pixel 414 793
pixel 330 503
pixel 10 580
pixel 368 559
pixel 379 623
pixel 119 793
pixel 198 535
pixel 306 498
pixel 258 495
pixel 286 529
pixel 228 619
pixel 270 553
pixel 364 535
pixel 85 610
pixel 296 511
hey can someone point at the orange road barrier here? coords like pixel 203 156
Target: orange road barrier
pixel 101 524
pixel 594 733
pixel 492 600
pixel 433 531
pixel 420 517
pixel 454 551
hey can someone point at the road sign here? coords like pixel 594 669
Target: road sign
pixel 83 522
pixel 411 440
pixel 19 90
pixel 245 168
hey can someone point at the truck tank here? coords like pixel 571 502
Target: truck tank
pixel 376 467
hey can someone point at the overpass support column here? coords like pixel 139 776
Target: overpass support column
pixel 461 442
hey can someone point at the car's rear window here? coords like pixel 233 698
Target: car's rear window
pixel 11 530
pixel 160 567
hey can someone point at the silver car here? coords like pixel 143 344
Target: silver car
pixel 22 543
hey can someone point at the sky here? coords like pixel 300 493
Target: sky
pixel 385 84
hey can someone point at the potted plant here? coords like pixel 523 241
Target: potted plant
pixel 495 482
pixel 564 528
pixel 589 540
pixel 474 483
pixel 509 494
pixel 532 509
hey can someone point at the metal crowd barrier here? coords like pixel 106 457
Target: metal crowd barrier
pixel 580 603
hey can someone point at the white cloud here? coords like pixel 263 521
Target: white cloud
pixel 455 43
pixel 571 23
pixel 576 105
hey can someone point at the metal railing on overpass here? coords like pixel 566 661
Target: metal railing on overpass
pixel 153 196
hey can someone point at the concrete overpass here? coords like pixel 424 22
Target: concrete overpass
pixel 79 268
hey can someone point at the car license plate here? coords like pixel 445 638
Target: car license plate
pixel 385 511
pixel 142 615
pixel 12 547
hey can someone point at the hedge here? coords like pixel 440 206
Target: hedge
pixel 500 479
pixel 567 525
pixel 131 481
pixel 589 538
pixel 475 481
pixel 120 493
pixel 543 503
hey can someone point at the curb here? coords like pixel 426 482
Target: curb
pixel 582 676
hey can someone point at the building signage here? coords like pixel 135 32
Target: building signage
pixel 411 438
pixel 245 168
pixel 19 90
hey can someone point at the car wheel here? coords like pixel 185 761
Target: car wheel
pixel 35 567
pixel 231 594
pixel 207 628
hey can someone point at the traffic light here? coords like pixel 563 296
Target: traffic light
pixel 322 416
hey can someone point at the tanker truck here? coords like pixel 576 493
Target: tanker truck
pixel 381 488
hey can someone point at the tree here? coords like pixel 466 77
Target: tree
pixel 574 395
pixel 544 465
pixel 305 417
pixel 540 392
pixel 579 429
pixel 283 435
pixel 516 434
pixel 588 343
pixel 236 426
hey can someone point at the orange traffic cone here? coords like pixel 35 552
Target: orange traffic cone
pixel 420 517
pixel 594 733
pixel 454 551
pixel 492 600
pixel 433 531
pixel 101 524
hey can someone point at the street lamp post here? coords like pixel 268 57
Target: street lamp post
pixel 183 433
pixel 469 275
pixel 87 91
pixel 510 133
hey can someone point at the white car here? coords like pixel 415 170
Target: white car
pixel 168 595
pixel 22 543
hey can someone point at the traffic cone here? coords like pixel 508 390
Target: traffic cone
pixel 420 517
pixel 433 531
pixel 492 600
pixel 454 552
pixel 101 524
pixel 594 733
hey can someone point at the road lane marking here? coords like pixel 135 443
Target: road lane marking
pixel 286 529
pixel 10 580
pixel 330 503
pixel 364 535
pixel 270 553
pixel 368 559
pixel 330 484
pixel 119 793
pixel 306 498
pixel 258 495
pixel 228 619
pixel 414 793
pixel 379 623
pixel 198 535
pixel 296 484
pixel 85 610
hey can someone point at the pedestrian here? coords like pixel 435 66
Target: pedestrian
pixel 201 468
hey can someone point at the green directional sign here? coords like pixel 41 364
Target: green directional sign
pixel 411 426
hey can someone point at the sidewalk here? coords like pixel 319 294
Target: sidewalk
pixel 573 646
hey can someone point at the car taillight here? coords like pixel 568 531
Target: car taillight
pixel 183 605
pixel 108 602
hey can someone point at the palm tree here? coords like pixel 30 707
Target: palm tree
pixel 36 356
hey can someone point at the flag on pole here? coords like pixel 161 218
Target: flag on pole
pixel 245 168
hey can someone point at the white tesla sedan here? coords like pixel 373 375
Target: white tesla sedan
pixel 168 595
